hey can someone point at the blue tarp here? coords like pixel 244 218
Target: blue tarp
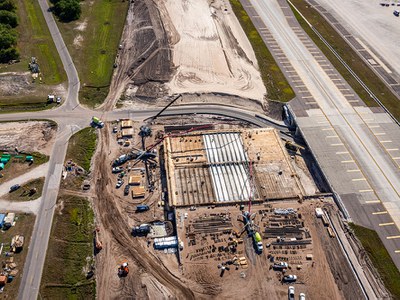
pixel 1 166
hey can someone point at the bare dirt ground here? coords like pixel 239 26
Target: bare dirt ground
pixel 145 57
pixel 157 275
pixel 30 136
pixel 210 50
pixel 358 15
pixel 258 279
pixel 167 48
pixel 120 246
pixel 20 84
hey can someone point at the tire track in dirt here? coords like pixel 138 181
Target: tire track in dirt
pixel 117 231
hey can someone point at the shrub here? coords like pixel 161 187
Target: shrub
pixel 67 10
pixel 8 18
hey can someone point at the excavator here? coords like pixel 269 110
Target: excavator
pixel 292 145
pixel 123 270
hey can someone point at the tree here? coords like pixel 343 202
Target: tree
pixel 67 10
pixel 7 5
pixel 8 17
pixel 8 54
pixel 8 37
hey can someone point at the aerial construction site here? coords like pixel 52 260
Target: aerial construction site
pixel 201 174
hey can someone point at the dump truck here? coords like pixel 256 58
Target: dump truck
pixel 97 122
pixel 257 241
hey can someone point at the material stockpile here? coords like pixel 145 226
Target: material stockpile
pixel 210 224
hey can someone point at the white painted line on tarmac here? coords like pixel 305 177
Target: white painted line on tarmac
pixel 323 122
pixel 388 141
pixel 311 102
pixel 359 179
pixel 331 136
pixel 374 56
pixel 392 149
pixel 300 86
pixel 373 201
pixel 374 126
pixel 386 224
pixel 365 191
pixel 325 129
pixel 380 212
pixel 353 170
pixel 353 101
pixel 393 237
pixel 337 144
pixel 348 95
pixel 380 133
pixel 397 157
pixel 342 152
pixel 396 251
pixel 306 97
pixel 347 161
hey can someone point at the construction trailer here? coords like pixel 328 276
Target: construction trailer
pixel 165 243
pixel 135 180
pixel 126 124
pixel 127 132
pixel 138 191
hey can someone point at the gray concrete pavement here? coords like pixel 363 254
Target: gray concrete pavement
pixel 342 140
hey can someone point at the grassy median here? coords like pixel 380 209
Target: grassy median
pixel 363 70
pixel 70 252
pixel 82 146
pixel 93 43
pixel 278 88
pixel 380 258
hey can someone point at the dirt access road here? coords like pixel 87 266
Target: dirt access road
pixel 119 245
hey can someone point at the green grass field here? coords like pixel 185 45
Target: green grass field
pixel 22 194
pixel 94 58
pixel 70 252
pixel 380 258
pixel 376 85
pixel 34 39
pixel 82 146
pixel 278 89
